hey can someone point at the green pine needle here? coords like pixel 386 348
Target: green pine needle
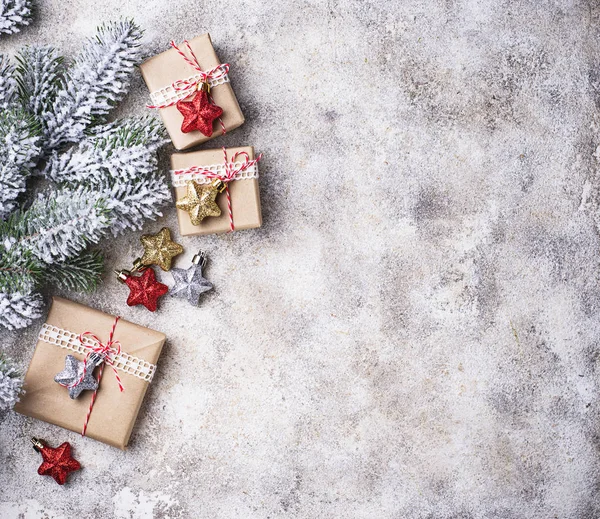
pixel 80 274
pixel 20 272
pixel 38 74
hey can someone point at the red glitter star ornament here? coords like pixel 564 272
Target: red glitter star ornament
pixel 145 290
pixel 58 462
pixel 199 113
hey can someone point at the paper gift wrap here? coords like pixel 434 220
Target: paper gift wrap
pixel 161 71
pixel 114 412
pixel 244 192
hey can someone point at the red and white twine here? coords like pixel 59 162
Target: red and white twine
pixel 231 171
pixel 192 85
pixel 108 351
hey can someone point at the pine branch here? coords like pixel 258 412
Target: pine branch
pixel 8 84
pixel 81 274
pixel 12 183
pixel 125 149
pixel 14 14
pixel 58 225
pixel 130 204
pixel 118 160
pixel 11 384
pixel 108 181
pixel 19 272
pixel 99 78
pixel 133 131
pixel 19 151
pixel 18 310
pixel 38 76
pixel 19 138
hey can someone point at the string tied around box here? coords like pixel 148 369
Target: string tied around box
pixel 99 353
pixel 184 89
pixel 232 170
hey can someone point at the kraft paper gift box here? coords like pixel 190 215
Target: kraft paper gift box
pixel 161 71
pixel 245 195
pixel 114 412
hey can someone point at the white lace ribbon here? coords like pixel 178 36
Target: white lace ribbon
pixel 181 179
pixel 169 95
pixel 70 341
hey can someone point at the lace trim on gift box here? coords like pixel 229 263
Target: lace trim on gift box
pixel 70 341
pixel 181 179
pixel 168 95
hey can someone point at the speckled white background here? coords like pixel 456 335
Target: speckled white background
pixel 414 331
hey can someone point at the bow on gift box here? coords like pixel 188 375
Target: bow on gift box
pixel 200 199
pixel 78 378
pixel 193 98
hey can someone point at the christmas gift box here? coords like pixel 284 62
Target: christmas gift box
pixel 73 341
pixel 216 191
pixel 191 89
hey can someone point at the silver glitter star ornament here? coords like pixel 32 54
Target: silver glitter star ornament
pixel 74 371
pixel 189 283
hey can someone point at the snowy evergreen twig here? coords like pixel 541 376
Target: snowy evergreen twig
pixel 11 384
pixel 133 203
pixel 37 75
pixel 81 273
pixel 13 15
pixel 19 150
pixel 8 84
pixel 19 310
pixel 58 225
pixel 123 151
pixel 19 271
pixel 119 160
pixel 99 79
pixel 104 176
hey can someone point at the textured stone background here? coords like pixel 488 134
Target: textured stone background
pixel 413 333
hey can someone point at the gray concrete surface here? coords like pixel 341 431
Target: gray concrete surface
pixel 414 331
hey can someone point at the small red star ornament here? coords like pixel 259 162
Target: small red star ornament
pixel 144 289
pixel 58 462
pixel 199 113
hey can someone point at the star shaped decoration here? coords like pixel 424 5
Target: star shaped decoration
pixel 145 290
pixel 189 283
pixel 74 370
pixel 159 249
pixel 199 113
pixel 200 201
pixel 58 462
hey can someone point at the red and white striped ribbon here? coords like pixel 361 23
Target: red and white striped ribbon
pixel 230 173
pixel 107 351
pixel 190 86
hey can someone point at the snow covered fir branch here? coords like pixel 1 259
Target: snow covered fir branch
pixel 11 383
pixel 69 177
pixel 14 14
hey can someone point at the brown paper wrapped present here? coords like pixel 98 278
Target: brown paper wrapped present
pixel 163 71
pixel 243 190
pixel 114 412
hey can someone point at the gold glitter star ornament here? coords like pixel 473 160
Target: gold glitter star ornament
pixel 159 249
pixel 200 200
